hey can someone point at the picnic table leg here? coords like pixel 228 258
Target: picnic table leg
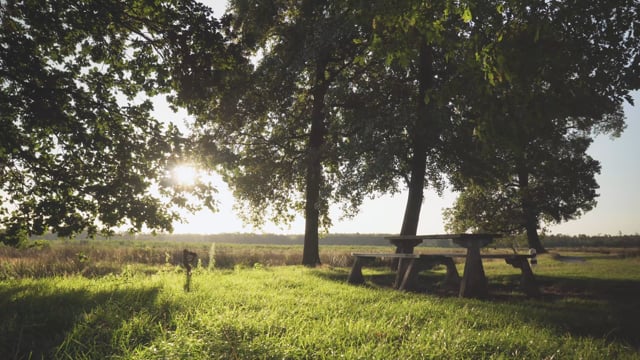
pixel 527 280
pixel 409 279
pixel 403 247
pixel 474 282
pixel 403 266
pixel 452 277
pixel 356 277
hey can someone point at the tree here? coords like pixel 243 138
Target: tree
pixel 427 47
pixel 79 149
pixel 555 85
pixel 559 185
pixel 273 136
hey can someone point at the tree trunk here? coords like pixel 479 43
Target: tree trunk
pixel 529 212
pixel 533 239
pixel 311 251
pixel 419 144
pixel 416 188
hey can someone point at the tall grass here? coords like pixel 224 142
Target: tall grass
pixel 80 258
pixel 109 257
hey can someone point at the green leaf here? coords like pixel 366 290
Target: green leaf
pixel 466 15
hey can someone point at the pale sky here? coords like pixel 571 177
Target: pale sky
pixel 618 208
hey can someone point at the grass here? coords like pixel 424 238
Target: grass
pixel 588 311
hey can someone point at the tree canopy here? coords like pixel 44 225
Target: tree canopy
pixel 430 45
pixel 553 88
pixel 274 137
pixel 79 149
pixel 344 100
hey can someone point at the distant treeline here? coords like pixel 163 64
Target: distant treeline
pixel 591 240
pixel 370 239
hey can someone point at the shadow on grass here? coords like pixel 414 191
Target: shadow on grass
pixel 36 319
pixel 589 307
pixel 600 308
pixel 429 281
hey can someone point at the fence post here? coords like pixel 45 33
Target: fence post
pixel 188 257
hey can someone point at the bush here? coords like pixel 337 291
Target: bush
pixel 13 236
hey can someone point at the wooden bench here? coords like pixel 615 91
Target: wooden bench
pixel 409 265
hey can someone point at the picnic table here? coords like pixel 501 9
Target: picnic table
pixel 473 282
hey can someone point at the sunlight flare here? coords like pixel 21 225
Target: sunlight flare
pixel 185 175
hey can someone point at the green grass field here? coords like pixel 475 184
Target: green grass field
pixel 589 310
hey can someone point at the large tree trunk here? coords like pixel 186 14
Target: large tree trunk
pixel 416 188
pixel 419 144
pixel 311 251
pixel 529 212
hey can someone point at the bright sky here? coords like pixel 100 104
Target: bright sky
pixel 618 207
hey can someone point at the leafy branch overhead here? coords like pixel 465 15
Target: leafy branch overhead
pixel 560 73
pixel 79 148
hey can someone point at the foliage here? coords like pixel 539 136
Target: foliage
pixel 561 182
pixel 552 88
pixel 426 48
pixel 13 238
pixel 79 149
pixel 340 106
pixel 275 135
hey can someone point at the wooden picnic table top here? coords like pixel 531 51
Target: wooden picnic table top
pixel 407 242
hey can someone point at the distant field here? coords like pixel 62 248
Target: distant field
pixel 101 257
pixel 578 241
pixel 97 258
pixel 106 300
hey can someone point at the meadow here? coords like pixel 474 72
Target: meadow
pixel 97 300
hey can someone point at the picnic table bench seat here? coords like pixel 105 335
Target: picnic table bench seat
pixel 406 269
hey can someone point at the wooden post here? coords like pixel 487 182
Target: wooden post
pixel 474 281
pixel 407 269
pixel 188 258
pixel 403 246
pixel 355 276
pixel 527 280
pixel 452 277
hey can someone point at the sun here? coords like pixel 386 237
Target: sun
pixel 185 175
